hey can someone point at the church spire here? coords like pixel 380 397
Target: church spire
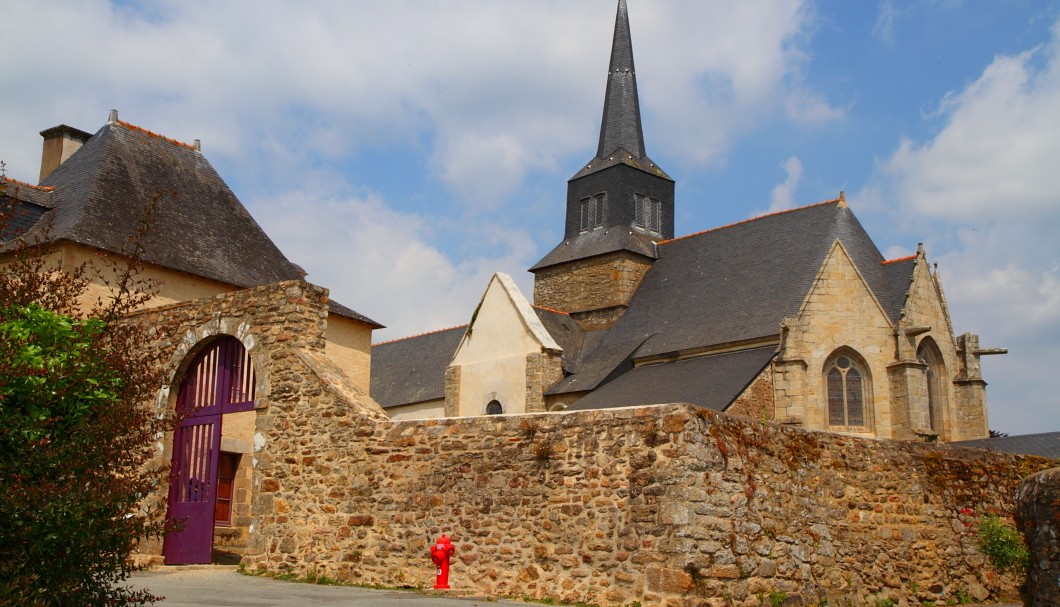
pixel 620 127
pixel 619 204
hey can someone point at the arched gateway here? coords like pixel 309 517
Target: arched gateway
pixel 219 380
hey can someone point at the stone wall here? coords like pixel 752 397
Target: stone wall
pixel 604 281
pixel 757 400
pixel 281 325
pixel 666 505
pixel 542 370
pixel 1038 517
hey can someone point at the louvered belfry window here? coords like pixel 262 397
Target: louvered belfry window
pixel 649 213
pixel 592 212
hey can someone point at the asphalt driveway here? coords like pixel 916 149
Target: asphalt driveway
pixel 213 586
pixel 224 587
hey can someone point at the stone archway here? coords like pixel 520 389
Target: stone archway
pixel 220 491
pixel 218 382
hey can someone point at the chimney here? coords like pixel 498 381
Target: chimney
pixel 60 142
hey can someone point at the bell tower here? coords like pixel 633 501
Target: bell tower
pixel 618 206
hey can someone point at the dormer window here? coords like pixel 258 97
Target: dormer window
pixel 649 213
pixel 593 209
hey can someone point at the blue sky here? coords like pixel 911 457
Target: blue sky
pixel 403 151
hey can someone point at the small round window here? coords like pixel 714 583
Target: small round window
pixel 494 408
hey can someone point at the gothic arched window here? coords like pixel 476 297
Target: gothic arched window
pixel 494 407
pixel 928 353
pixel 847 384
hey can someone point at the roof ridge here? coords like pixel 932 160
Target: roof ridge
pixel 750 219
pixel 390 341
pixel 149 133
pixel 898 260
pixel 547 309
pixel 42 188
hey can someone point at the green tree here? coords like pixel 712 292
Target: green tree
pixel 76 429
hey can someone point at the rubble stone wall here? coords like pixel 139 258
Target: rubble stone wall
pixel 1038 516
pixel 665 505
pixel 598 282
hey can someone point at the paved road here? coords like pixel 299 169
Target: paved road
pixel 223 587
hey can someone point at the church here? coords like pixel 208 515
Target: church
pixel 793 317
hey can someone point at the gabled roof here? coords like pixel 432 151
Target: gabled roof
pixel 598 242
pixel 708 381
pixel 412 370
pixel 1046 444
pixel 124 174
pixel 566 333
pixel 103 192
pixel 21 206
pixel 736 283
pixel 731 285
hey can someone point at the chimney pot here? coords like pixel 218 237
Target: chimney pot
pixel 60 142
pixel 113 117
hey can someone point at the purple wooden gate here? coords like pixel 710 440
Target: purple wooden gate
pixel 220 380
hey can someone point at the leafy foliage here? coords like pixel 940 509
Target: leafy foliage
pixel 1001 544
pixel 76 436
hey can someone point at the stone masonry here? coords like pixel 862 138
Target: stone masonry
pixel 595 290
pixel 666 505
pixel 1038 516
pixel 282 326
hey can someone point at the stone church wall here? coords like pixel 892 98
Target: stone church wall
pixel 602 283
pixel 666 505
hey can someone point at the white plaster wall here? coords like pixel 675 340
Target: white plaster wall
pixel 349 346
pixel 492 357
pixel 432 409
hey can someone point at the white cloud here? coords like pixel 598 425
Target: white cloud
pixel 379 261
pixel 998 151
pixel 745 75
pixel 989 177
pixel 783 194
pixel 883 29
pixel 286 98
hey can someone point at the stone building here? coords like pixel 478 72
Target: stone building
pixel 284 459
pixel 794 317
pixel 201 250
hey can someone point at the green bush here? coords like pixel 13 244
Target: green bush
pixel 75 434
pixel 1001 544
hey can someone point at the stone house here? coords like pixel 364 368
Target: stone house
pixel 794 317
pixel 202 249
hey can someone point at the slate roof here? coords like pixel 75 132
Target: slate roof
pixel 21 206
pixel 598 242
pixel 621 130
pixel 729 285
pixel 707 381
pixel 102 193
pixel 1046 444
pixel 737 282
pixel 412 370
pixel 565 331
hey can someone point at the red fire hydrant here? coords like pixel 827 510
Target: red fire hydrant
pixel 441 551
